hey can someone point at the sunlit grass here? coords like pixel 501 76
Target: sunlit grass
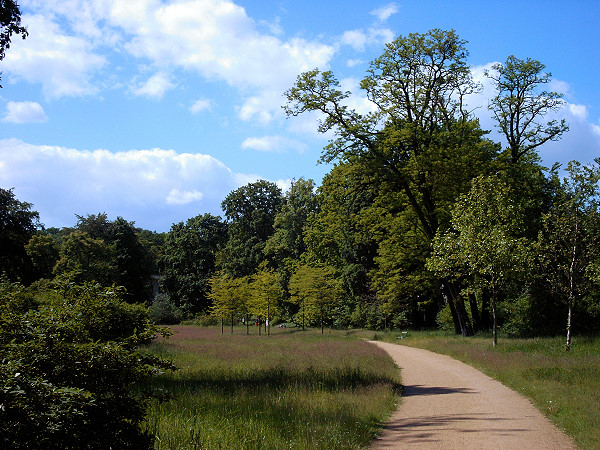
pixel 563 385
pixel 298 390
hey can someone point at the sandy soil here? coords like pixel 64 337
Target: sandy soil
pixel 448 404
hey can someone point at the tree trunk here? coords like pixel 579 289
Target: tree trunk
pixel 494 330
pixel 474 312
pixel 570 313
pixel 232 323
pixel 462 324
pixel 222 326
pixel 247 325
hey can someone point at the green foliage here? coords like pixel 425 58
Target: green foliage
pixel 18 224
pixel 10 23
pixel 43 250
pixel 189 260
pixel 316 290
pixel 70 368
pixel 250 211
pixel 162 311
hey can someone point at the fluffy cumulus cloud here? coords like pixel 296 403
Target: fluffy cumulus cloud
pixel 153 187
pixel 71 41
pixel 24 112
pixel 202 104
pixel 155 86
pixel 62 63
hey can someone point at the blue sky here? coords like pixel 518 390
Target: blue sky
pixel 155 110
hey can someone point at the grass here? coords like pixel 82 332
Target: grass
pixel 564 386
pixel 296 390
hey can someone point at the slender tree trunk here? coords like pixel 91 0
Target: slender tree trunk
pixel 474 312
pixel 494 330
pixel 570 313
pixel 247 325
pixel 222 326
pixel 232 322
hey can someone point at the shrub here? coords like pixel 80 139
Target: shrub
pixel 70 368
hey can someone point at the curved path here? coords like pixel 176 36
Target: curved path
pixel 448 404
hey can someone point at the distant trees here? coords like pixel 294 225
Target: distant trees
pixel 189 261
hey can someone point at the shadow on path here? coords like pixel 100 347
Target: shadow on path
pixel 417 389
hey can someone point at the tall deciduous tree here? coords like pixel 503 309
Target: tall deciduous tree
pixel 189 260
pixel 570 237
pixel 521 103
pixel 266 294
pixel 250 211
pixel 416 88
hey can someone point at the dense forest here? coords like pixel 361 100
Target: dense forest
pixel 423 221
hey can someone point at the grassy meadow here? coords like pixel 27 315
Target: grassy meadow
pixel 296 390
pixel 564 386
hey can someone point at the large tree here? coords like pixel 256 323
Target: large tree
pixel 18 223
pixel 418 124
pixel 189 259
pixel 250 211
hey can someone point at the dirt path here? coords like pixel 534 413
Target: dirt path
pixel 448 404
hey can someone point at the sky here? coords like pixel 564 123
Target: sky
pixel 155 110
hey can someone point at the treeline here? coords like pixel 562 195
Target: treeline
pixel 423 220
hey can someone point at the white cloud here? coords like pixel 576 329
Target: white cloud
pixel 61 63
pixel 177 197
pixel 153 187
pixel 24 112
pixel 357 39
pixel 385 12
pixel 155 86
pixel 580 111
pixel 201 104
pixel 273 144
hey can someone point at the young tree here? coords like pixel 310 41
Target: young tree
pixel 43 250
pixel 484 240
pixel 521 103
pixel 228 297
pixel 569 242
pixel 265 297
pixel 316 291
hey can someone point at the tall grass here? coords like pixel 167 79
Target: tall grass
pixel 565 386
pixel 289 390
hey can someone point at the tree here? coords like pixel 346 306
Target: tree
pixel 416 88
pixel 265 297
pixel 484 241
pixel 315 290
pixel 569 243
pixel 90 259
pixel 229 297
pixel 18 224
pixel 10 23
pixel 189 260
pixel 519 106
pixel 250 211
pixel 43 250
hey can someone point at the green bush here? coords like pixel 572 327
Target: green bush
pixel 164 311
pixel 70 370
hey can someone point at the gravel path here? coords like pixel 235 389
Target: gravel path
pixel 448 404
